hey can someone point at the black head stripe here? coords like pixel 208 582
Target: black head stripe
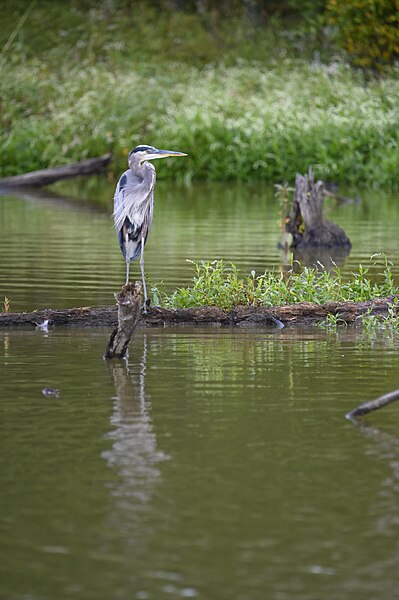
pixel 141 148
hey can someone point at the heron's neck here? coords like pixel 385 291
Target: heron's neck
pixel 144 170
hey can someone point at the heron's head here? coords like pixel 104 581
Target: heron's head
pixel 142 153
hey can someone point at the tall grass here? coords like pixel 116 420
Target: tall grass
pixel 262 119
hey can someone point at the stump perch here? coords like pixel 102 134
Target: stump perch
pixel 305 221
pixel 129 302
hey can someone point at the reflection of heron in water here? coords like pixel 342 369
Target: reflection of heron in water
pixel 134 455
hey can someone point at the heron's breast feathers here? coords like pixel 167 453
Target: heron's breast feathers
pixel 131 208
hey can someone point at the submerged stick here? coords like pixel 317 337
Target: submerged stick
pixel 368 407
pixel 129 302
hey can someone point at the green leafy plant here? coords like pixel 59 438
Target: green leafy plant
pixel 332 321
pixel 6 304
pixel 219 283
pixel 389 322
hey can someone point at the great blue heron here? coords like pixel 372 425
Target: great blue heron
pixel 134 204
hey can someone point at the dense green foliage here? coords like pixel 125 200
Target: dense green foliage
pixel 239 122
pixel 244 103
pixel 368 30
pixel 219 284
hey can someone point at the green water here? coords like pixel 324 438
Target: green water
pixel 215 463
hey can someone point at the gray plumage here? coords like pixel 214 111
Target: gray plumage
pixel 134 204
pixel 133 208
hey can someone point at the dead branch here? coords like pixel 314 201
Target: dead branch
pixel 372 405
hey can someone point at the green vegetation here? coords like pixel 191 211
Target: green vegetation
pixel 6 304
pixel 387 322
pixel 219 284
pixel 368 30
pixel 368 321
pixel 332 321
pixel 244 102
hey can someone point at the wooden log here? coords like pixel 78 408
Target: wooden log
pixel 46 176
pixel 129 301
pixel 292 315
pixel 372 405
pixel 306 222
pixel 85 316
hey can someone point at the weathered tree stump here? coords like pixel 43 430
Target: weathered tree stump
pixel 129 301
pixel 306 223
pixel 372 405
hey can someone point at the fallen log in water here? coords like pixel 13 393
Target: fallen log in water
pixel 46 176
pixel 301 314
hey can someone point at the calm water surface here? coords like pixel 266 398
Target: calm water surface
pixel 216 463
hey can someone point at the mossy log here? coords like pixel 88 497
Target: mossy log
pixel 301 314
pixel 51 175
pixel 305 221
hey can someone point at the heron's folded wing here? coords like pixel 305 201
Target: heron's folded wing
pixel 130 199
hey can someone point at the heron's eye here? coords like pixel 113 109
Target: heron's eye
pixel 148 151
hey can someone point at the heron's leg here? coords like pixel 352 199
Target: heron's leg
pixel 143 274
pixel 127 250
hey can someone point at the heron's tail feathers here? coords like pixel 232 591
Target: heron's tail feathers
pixel 131 237
pixel 131 231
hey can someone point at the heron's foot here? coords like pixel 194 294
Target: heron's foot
pixel 146 305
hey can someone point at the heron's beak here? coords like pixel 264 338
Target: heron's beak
pixel 162 154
